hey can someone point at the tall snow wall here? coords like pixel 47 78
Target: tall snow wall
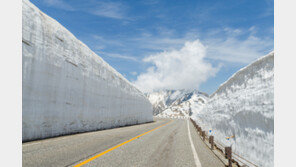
pixel 67 88
pixel 244 106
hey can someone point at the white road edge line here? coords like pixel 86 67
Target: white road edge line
pixel 196 159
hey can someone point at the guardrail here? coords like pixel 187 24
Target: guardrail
pixel 232 157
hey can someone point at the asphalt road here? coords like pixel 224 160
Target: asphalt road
pixel 162 143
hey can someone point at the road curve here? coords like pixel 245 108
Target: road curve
pixel 164 142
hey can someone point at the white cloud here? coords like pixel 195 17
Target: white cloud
pixel 232 32
pixel 60 4
pixel 113 10
pixel 115 55
pixel 225 44
pixel 187 66
pixel 150 2
pixel 232 49
pixel 177 69
pixel 134 73
pixel 106 41
pixel 157 42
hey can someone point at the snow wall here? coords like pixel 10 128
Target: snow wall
pixel 67 88
pixel 244 106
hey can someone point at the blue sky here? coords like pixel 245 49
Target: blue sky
pixel 158 44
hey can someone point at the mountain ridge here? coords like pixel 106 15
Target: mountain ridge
pixel 175 102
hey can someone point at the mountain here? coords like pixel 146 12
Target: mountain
pixel 244 106
pixel 176 102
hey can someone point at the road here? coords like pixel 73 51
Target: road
pixel 164 142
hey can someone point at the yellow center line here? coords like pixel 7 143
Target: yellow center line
pixel 113 148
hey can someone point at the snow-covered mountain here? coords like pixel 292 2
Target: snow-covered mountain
pixel 176 102
pixel 244 106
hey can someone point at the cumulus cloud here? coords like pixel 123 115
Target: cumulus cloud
pixel 176 69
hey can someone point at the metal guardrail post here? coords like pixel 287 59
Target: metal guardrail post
pixel 228 155
pixel 203 134
pixel 211 140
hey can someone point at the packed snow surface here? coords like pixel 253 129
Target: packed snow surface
pixel 244 106
pixel 67 88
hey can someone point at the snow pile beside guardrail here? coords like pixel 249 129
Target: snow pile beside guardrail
pixel 67 88
pixel 244 106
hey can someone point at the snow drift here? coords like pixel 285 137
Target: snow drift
pixel 67 88
pixel 244 106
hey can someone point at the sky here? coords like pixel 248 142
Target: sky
pixel 170 44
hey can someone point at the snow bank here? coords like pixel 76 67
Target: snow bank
pixel 244 106
pixel 67 88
